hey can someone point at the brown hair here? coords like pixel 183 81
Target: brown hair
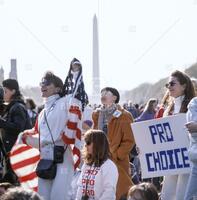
pixel 100 147
pixel 49 76
pixel 114 91
pixel 189 92
pixel 149 105
pixel 147 191
pixel 12 84
pixel 18 193
pixel 165 100
pixel 31 103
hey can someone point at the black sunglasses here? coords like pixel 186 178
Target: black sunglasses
pixel 170 84
pixel 88 143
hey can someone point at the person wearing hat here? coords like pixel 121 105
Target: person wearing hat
pixel 14 120
pixel 116 124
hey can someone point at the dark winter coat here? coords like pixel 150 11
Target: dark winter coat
pixel 14 121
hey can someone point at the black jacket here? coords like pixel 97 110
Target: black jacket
pixel 15 120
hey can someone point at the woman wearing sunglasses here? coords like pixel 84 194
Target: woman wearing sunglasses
pixel 181 90
pixel 99 174
pixel 59 126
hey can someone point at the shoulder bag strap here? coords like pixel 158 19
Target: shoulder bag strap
pixel 48 127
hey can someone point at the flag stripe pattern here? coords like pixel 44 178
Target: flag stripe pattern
pixel 72 133
pixel 24 158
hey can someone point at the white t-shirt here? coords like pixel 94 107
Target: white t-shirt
pixel 99 182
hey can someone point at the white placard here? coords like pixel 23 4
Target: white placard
pixel 163 146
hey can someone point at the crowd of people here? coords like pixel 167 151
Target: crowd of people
pixel 68 128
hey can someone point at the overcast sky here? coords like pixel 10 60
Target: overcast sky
pixel 139 40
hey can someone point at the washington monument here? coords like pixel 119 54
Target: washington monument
pixel 96 75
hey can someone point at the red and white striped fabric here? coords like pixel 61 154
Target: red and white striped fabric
pixel 24 158
pixel 72 133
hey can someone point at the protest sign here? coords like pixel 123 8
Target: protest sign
pixel 163 146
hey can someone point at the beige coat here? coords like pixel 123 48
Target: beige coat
pixel 121 141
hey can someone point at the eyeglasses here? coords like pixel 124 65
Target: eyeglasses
pixel 106 93
pixel 170 84
pixel 45 83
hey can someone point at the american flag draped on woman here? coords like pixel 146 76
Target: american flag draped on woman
pixel 25 154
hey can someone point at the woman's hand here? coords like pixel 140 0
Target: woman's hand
pixel 191 126
pixel 26 134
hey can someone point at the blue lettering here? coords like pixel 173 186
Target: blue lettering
pixel 170 155
pixel 176 151
pixel 168 132
pixel 156 160
pixel 148 155
pixel 164 161
pixel 185 157
pixel 153 132
pixel 161 132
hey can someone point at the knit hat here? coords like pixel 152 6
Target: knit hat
pixel 11 84
pixel 114 92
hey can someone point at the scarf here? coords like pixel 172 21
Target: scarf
pixel 105 116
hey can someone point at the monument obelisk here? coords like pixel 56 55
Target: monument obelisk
pixel 96 75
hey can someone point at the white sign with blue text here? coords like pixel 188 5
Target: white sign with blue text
pixel 163 146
